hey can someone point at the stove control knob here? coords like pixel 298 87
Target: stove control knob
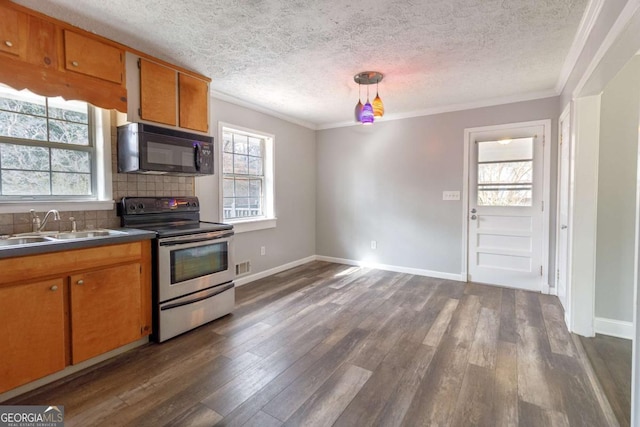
pixel 195 204
pixel 188 204
pixel 140 206
pixel 132 207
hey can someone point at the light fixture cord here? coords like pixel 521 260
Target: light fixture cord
pixel 367 93
pixel 359 93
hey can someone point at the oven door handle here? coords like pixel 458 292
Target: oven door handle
pixel 194 238
pixel 183 303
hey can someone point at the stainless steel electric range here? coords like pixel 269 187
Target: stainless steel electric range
pixel 192 262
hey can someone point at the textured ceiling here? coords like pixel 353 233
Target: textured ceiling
pixel 298 57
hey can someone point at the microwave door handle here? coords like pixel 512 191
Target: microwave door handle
pixel 197 156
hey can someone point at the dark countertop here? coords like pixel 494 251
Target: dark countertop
pixel 130 235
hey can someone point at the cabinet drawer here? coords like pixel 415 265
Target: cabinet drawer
pixel 12 31
pixel 91 57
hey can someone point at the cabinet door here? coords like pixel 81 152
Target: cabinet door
pixel 105 310
pixel 42 46
pixel 94 58
pixel 31 332
pixel 12 31
pixel 157 93
pixel 194 97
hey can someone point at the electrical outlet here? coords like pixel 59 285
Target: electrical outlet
pixel 450 195
pixel 263 250
pixel 374 244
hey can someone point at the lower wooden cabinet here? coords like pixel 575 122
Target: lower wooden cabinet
pixel 32 328
pixel 105 310
pixel 63 308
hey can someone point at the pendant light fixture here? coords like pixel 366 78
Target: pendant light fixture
pixel 369 112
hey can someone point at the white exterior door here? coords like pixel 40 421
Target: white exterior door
pixel 505 217
pixel 563 211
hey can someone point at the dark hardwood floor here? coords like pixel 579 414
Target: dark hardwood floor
pixel 326 344
pixel 611 360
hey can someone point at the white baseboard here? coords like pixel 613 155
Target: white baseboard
pixel 395 268
pixel 275 270
pixel 614 328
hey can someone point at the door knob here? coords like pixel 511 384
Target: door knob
pixel 473 217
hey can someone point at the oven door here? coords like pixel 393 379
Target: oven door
pixel 190 263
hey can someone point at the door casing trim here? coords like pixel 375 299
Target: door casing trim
pixel 546 190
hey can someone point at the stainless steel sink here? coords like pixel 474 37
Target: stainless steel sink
pixel 33 238
pixel 87 234
pixel 13 241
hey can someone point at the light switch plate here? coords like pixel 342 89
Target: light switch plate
pixel 450 195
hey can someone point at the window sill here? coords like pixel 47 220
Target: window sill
pixel 252 224
pixel 23 206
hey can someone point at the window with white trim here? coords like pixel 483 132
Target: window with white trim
pixel 247 174
pixel 47 149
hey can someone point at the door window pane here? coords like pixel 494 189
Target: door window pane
pixel 505 172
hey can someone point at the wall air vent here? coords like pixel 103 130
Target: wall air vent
pixel 243 268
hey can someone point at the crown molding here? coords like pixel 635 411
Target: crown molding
pixel 627 14
pixel 587 23
pixel 242 103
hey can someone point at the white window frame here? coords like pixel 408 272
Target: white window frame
pixel 268 220
pixel 102 174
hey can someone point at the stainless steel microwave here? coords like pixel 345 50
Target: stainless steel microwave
pixel 151 149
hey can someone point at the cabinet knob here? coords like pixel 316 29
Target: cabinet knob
pixel 75 63
pixel 80 282
pixel 54 288
pixel 8 43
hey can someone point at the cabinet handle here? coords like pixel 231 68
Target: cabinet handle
pixel 54 288
pixel 75 63
pixel 8 43
pixel 80 282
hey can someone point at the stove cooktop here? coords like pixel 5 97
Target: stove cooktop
pixel 168 216
pixel 171 230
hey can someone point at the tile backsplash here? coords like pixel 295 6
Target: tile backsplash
pixel 124 184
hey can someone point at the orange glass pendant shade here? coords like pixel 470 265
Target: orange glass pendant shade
pixel 378 107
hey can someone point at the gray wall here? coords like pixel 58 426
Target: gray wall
pixel 385 183
pixel 295 186
pixel 617 176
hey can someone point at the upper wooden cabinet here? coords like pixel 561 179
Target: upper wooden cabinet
pixel 166 95
pixel 91 57
pixel 42 43
pixel 53 58
pixel 157 93
pixel 12 34
pixel 194 97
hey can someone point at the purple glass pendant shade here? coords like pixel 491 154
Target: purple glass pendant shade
pixel 367 114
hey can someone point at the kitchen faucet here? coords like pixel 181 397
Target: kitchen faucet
pixel 38 225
